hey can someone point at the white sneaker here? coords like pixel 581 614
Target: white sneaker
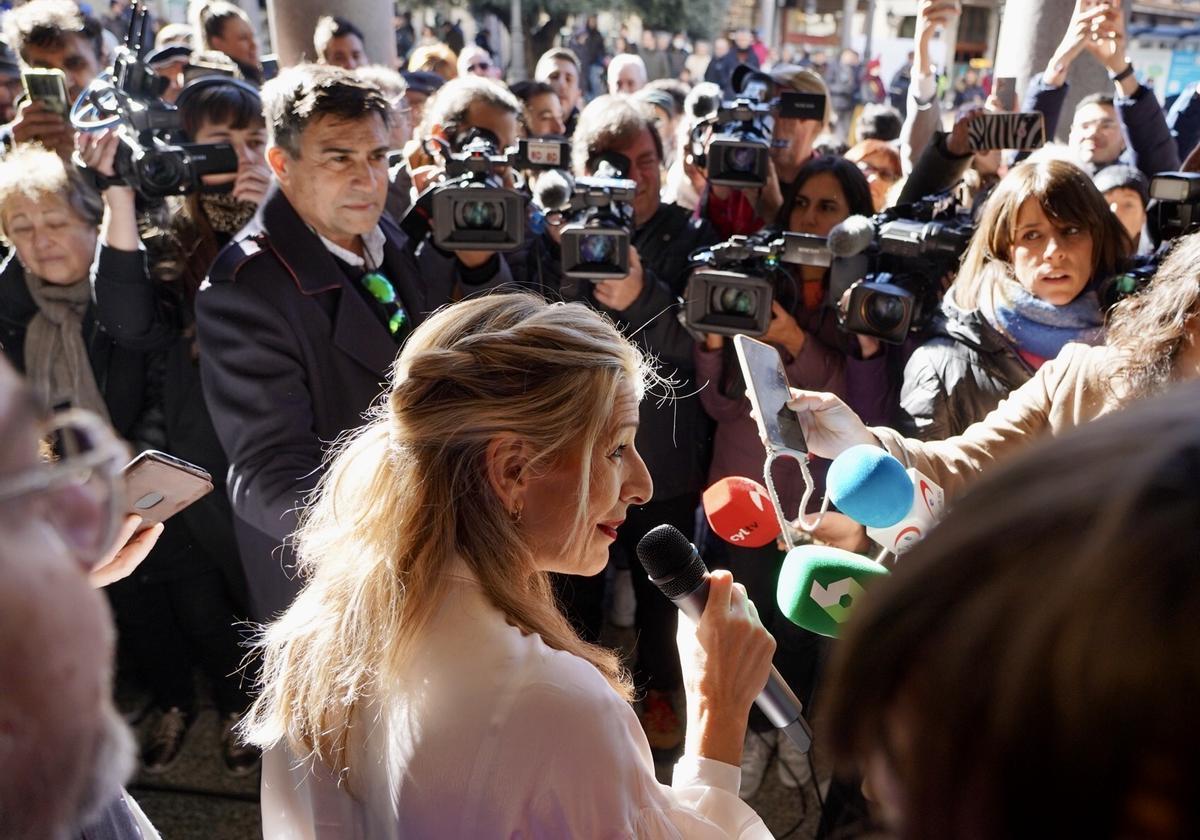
pixel 756 754
pixel 794 769
pixel 623 611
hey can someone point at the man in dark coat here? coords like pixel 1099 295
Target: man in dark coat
pixel 304 312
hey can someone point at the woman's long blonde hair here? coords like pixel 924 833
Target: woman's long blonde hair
pixel 408 494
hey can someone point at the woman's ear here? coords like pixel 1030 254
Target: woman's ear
pixel 506 460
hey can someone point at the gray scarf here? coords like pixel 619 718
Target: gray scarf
pixel 56 357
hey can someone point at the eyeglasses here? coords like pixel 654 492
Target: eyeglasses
pixel 885 174
pixel 78 491
pixel 480 65
pixel 383 291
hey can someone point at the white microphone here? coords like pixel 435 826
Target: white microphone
pixel 897 506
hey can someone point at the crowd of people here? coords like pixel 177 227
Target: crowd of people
pixel 433 460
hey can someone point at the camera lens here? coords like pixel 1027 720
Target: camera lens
pixel 743 159
pixel 479 215
pixel 161 172
pixel 732 300
pixel 885 312
pixel 597 248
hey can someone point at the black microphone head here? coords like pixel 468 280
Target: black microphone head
pixel 671 561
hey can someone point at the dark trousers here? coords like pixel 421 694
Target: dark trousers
pixel 177 615
pixel 798 653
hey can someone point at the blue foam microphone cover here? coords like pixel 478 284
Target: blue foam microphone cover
pixel 870 486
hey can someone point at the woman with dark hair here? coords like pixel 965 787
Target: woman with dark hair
pixel 1031 669
pixel 224 27
pixel 147 272
pixel 816 354
pixel 1030 282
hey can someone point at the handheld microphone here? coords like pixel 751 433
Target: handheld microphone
pixel 819 584
pixel 675 567
pixel 851 236
pixel 739 511
pixel 897 506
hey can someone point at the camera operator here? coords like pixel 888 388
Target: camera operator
pixel 804 329
pixel 303 312
pixel 145 295
pixel 1101 122
pixel 52 34
pixel 222 26
pixel 673 436
pixel 732 211
pixel 1029 283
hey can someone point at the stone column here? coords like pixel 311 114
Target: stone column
pixel 1029 32
pixel 292 23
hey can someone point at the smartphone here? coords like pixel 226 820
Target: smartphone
pixel 158 486
pixel 48 87
pixel 1022 130
pixel 1005 90
pixel 270 67
pixel 767 387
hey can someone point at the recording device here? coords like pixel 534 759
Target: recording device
pixel 767 388
pixel 739 151
pixel 675 567
pixel 1006 131
pixel 598 215
pixel 48 87
pixel 897 506
pixel 732 292
pixel 739 511
pixel 129 96
pixel 472 209
pixel 158 486
pixel 886 276
pixel 819 585
pixel 1175 204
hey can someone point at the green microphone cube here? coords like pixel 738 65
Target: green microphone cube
pixel 819 584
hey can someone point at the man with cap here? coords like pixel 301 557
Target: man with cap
pixel 421 86
pixel 170 61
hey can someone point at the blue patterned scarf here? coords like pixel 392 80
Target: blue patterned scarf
pixel 1038 327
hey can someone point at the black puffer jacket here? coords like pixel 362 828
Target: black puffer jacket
pixel 959 375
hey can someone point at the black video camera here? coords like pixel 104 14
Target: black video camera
pixel 1175 208
pixel 129 95
pixel 890 282
pixel 598 215
pixel 472 210
pixel 732 291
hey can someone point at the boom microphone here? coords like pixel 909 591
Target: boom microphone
pixel 898 506
pixel 552 189
pixel 819 584
pixel 740 511
pixel 851 236
pixel 675 567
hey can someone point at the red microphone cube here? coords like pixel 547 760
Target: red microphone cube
pixel 739 511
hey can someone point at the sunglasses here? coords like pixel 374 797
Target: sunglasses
pixel 78 488
pixel 381 288
pixel 480 65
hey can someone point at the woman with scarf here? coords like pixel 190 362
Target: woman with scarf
pixel 1029 284
pixel 147 271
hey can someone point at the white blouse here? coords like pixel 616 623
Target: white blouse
pixel 492 733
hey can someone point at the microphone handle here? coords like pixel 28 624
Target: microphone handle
pixel 777 701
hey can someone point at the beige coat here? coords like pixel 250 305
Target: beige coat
pixel 1064 393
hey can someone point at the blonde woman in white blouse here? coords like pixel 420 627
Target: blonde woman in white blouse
pixel 424 683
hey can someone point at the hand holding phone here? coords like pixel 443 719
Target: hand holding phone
pixel 767 388
pixel 1005 91
pixel 48 87
pixel 158 486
